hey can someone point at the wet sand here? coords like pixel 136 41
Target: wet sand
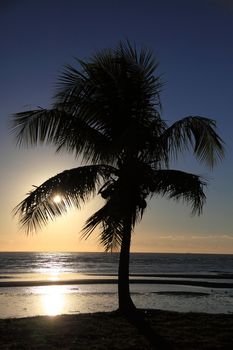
pixel 29 283
pixel 174 275
pixel 98 331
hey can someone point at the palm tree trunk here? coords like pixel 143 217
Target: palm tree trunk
pixel 126 304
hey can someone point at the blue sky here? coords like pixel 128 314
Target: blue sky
pixel 193 40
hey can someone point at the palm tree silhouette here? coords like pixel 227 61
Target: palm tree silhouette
pixel 107 113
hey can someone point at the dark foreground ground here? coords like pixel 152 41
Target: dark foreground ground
pixel 112 331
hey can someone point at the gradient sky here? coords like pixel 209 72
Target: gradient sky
pixel 192 39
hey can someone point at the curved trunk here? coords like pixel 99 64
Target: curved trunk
pixel 126 304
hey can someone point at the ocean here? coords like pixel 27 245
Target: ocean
pixel 63 283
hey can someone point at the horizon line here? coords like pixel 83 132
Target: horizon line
pixel 116 252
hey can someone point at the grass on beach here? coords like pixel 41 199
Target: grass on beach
pixel 183 331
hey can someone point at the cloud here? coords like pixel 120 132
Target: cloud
pixel 196 237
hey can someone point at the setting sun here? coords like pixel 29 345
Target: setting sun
pixel 57 198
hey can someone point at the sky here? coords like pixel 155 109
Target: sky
pixel 193 41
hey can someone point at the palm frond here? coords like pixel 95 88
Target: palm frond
pixel 179 185
pixel 111 227
pixel 114 93
pixel 200 134
pixel 62 129
pixel 39 125
pixel 74 186
pixel 143 57
pixel 142 66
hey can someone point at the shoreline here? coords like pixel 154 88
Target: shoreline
pixel 35 283
pixel 109 330
pixel 172 275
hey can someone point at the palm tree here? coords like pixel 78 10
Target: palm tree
pixel 107 113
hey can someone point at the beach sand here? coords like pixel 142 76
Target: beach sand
pixel 183 331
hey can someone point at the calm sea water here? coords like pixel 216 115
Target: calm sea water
pixel 106 263
pixel 180 282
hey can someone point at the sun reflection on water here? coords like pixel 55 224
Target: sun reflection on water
pixel 53 300
pixel 54 275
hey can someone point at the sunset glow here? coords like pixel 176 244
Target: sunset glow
pixel 195 84
pixel 57 198
pixel 53 300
